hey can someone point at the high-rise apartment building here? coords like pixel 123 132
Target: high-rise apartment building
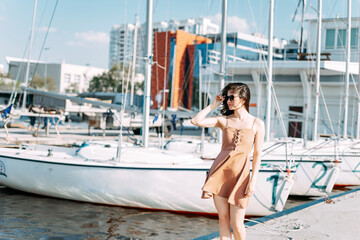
pixel 121 44
pixel 122 37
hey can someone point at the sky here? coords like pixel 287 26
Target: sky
pixel 80 29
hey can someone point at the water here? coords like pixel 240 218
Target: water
pixel 29 216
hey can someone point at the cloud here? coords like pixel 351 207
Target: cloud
pixel 89 39
pixel 234 23
pixel 93 37
pixel 44 29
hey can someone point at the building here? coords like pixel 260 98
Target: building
pixel 121 44
pixel 333 38
pixel 245 47
pixel 198 26
pixel 67 77
pixel 122 38
pixel 174 68
pixel 293 104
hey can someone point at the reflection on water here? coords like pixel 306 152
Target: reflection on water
pixel 27 216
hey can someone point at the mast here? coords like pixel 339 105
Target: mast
pixel 29 54
pixel 202 138
pixel 147 84
pixel 223 44
pixel 134 61
pixel 318 46
pixel 222 56
pixel 347 75
pixel 358 112
pixel 173 78
pixel 302 26
pixel 270 63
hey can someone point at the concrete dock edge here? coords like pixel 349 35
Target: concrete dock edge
pixel 280 214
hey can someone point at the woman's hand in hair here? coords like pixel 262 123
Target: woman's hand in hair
pixel 217 101
pixel 200 118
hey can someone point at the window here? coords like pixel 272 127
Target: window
pixel 354 37
pixel 330 39
pixel 341 38
pixel 295 124
pixel 77 78
pixel 67 77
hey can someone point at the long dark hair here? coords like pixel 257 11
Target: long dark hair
pixel 242 90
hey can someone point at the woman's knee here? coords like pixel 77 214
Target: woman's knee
pixel 237 223
pixel 224 217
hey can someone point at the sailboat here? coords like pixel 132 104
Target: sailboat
pixel 315 176
pixel 344 150
pixel 124 174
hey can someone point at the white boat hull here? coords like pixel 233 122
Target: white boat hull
pixel 314 176
pixel 173 187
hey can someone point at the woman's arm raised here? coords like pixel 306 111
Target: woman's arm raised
pixel 200 118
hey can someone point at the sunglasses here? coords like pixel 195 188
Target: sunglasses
pixel 231 97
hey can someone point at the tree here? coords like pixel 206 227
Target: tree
pixel 73 88
pixel 38 83
pixel 112 81
pixel 7 84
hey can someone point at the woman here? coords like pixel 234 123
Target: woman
pixel 229 182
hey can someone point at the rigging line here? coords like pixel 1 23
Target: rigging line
pixel 355 87
pixel 165 58
pixel 43 13
pixel 18 74
pixel 122 67
pixel 155 34
pixel 45 38
pixel 127 86
pixel 353 119
pixel 187 76
pixel 209 3
pixel 326 108
pixel 278 108
pixel 130 135
pixel 258 45
pixel 165 79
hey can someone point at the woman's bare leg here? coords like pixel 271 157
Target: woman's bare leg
pixel 237 216
pixel 223 209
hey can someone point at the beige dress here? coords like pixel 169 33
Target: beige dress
pixel 230 173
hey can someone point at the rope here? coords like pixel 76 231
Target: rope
pixel 130 135
pixel 327 110
pixel 45 38
pixel 297 226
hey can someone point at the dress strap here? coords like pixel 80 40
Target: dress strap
pixel 253 123
pixel 226 124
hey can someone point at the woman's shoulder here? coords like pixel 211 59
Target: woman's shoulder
pixel 258 124
pixel 256 120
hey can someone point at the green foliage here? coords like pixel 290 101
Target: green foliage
pixel 112 81
pixel 73 88
pixel 38 83
pixel 6 85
